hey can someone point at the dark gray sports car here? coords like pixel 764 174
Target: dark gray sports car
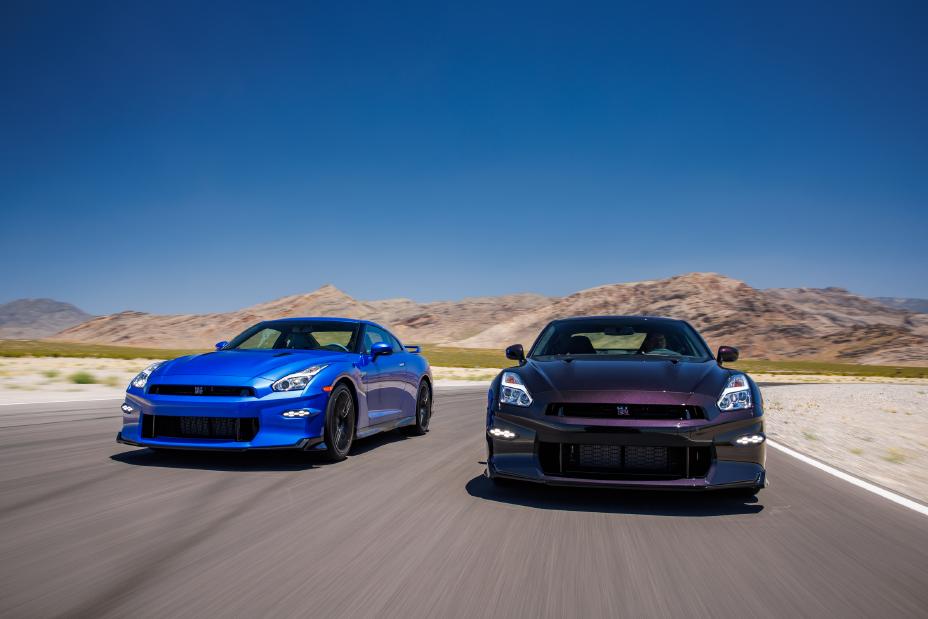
pixel 626 401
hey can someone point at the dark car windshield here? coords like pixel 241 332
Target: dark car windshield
pixel 620 336
pixel 299 335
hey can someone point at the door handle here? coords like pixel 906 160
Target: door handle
pixel 403 364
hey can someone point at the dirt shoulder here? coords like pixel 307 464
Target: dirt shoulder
pixel 878 432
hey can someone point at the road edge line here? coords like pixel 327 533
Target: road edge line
pixel 61 401
pixel 860 483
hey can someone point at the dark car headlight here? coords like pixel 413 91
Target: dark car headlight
pixel 513 391
pixel 737 394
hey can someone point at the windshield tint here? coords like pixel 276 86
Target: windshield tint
pixel 619 336
pixel 309 335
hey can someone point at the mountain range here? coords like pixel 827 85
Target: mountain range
pixel 911 305
pixel 793 323
pixel 36 318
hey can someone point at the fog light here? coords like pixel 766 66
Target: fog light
pixel 299 413
pixel 500 433
pixel 127 409
pixel 750 439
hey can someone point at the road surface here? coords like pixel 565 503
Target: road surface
pixel 407 527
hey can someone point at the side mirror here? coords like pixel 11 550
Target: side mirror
pixel 221 345
pixel 516 353
pixel 727 354
pixel 381 348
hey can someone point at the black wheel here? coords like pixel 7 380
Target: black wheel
pixel 423 411
pixel 339 423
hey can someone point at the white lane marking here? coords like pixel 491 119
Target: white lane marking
pixel 883 492
pixel 60 401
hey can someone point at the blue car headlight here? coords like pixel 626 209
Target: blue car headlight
pixel 141 379
pixel 298 380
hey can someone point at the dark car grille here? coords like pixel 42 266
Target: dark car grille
pixel 625 411
pixel 624 461
pixel 227 428
pixel 202 390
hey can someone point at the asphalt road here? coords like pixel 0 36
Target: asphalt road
pixel 408 527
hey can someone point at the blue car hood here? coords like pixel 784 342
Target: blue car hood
pixel 271 364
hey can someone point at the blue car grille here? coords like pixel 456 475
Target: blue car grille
pixel 225 428
pixel 202 390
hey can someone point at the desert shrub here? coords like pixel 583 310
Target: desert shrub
pixel 82 378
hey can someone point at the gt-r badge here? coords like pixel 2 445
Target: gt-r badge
pixel 198 391
pixel 622 411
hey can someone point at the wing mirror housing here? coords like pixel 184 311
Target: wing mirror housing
pixel 221 345
pixel 516 353
pixel 381 348
pixel 727 354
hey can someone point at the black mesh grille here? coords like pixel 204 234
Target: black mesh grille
pixel 624 461
pixel 625 411
pixel 599 455
pixel 204 390
pixel 227 428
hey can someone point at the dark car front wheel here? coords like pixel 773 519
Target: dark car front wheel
pixel 423 411
pixel 339 423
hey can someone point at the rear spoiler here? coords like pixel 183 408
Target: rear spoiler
pixel 416 349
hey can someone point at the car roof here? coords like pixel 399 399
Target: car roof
pixel 657 319
pixel 325 319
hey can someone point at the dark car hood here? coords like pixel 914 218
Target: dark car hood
pixel 624 375
pixel 271 364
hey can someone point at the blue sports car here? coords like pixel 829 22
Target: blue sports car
pixel 299 383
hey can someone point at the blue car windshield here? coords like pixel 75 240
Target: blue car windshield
pixel 620 336
pixel 299 335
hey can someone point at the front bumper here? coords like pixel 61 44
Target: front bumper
pixel 151 416
pixel 691 455
pixel 304 444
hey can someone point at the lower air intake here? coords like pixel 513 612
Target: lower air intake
pixel 624 461
pixel 223 428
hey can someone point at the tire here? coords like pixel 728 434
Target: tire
pixel 423 411
pixel 340 417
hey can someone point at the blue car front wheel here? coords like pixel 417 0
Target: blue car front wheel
pixel 340 418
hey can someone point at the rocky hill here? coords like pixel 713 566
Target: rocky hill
pixel 829 323
pixel 442 322
pixel 826 323
pixel 37 318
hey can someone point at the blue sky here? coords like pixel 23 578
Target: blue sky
pixel 180 157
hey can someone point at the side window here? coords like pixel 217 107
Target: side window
pixel 373 335
pixel 397 347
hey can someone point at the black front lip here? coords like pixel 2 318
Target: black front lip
pixel 304 444
pixel 682 485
